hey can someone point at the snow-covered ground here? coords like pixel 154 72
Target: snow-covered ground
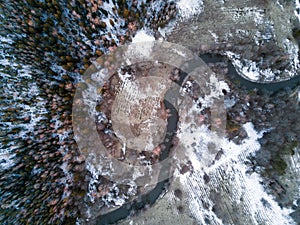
pixel 188 8
pixel 238 189
pixel 34 111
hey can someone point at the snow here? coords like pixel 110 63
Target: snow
pixel 165 31
pixel 6 160
pixel 249 12
pixel 293 51
pixel 142 36
pixel 252 71
pixel 141 46
pixel 229 177
pixel 33 110
pixel 188 8
pixel 5 40
pixel 215 36
pixel 215 91
pixel 249 69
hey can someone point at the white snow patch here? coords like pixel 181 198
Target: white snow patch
pixel 6 160
pixel 215 91
pixel 6 62
pixel 188 8
pixel 142 36
pixel 293 51
pixel 250 69
pixel 254 191
pixel 124 77
pixel 6 40
pixel 252 13
pixel 167 29
pixel 264 36
pixel 215 36
pixel 141 46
